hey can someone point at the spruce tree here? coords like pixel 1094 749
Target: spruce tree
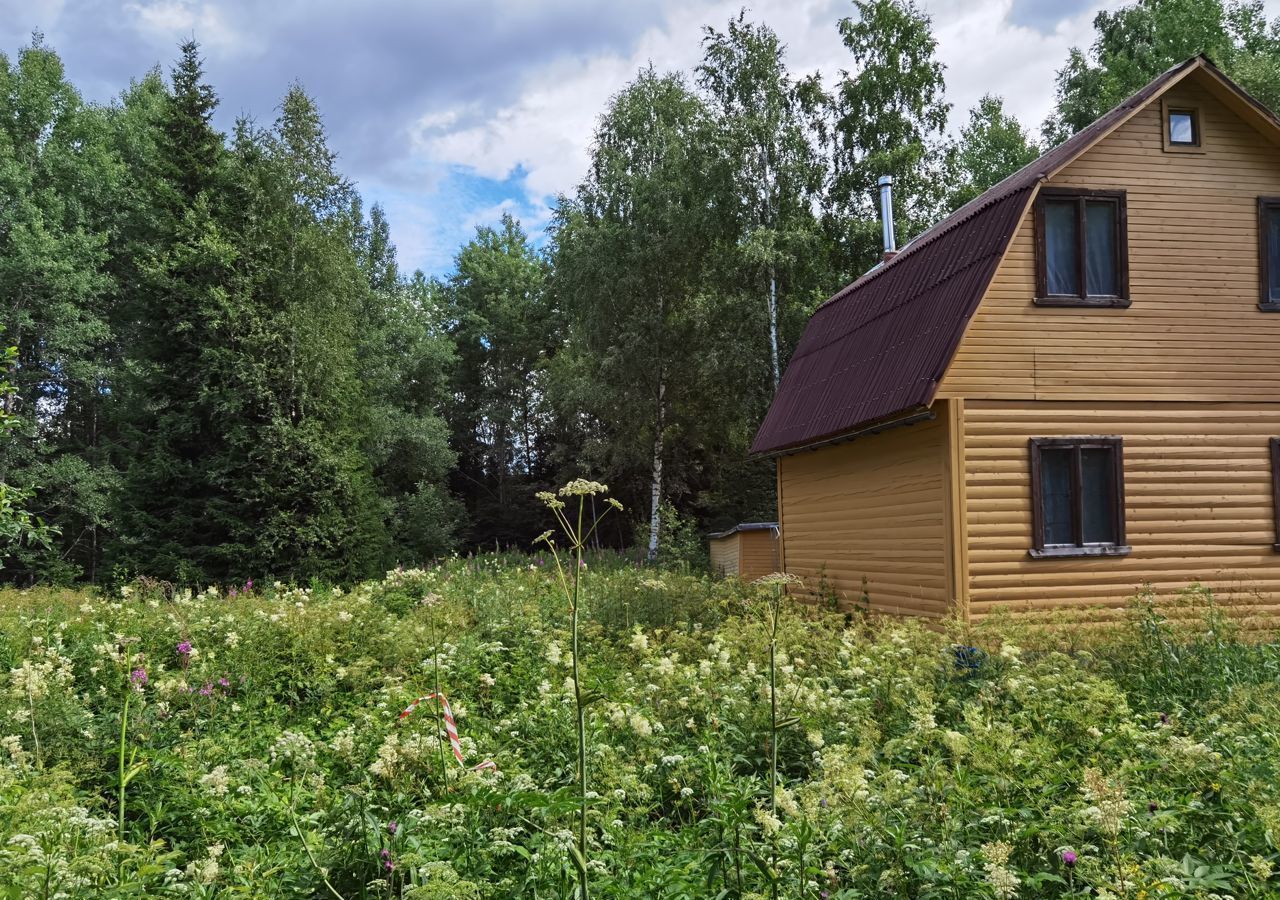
pixel 505 328
pixel 175 517
pixel 405 357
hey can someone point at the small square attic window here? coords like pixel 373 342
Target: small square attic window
pixel 1183 128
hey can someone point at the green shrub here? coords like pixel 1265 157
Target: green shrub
pixel 272 760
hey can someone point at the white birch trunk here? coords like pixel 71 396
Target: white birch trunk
pixel 773 325
pixel 655 487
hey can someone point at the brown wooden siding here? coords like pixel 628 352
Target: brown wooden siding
pixel 873 507
pixel 1194 330
pixel 758 553
pixel 725 555
pixel 746 554
pixel 1198 498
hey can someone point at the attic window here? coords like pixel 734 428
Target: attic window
pixel 1183 130
pixel 1077 497
pixel 1082 256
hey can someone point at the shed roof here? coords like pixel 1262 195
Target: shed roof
pixel 879 347
pixel 744 526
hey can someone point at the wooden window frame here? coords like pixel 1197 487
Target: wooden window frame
pixel 1081 196
pixel 1041 550
pixel 1275 489
pixel 1265 303
pixel 1197 127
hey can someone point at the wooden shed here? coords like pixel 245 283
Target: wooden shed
pixel 1064 392
pixel 746 551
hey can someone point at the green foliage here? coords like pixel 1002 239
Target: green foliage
pixel 241 408
pixel 219 370
pixel 505 329
pixel 631 251
pixel 775 251
pixel 58 178
pixel 992 146
pixel 1135 43
pixel 683 544
pixel 270 756
pixel 887 118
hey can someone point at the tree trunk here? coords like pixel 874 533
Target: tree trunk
pixel 655 489
pixel 773 325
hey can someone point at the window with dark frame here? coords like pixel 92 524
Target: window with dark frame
pixel 1184 128
pixel 1077 497
pixel 1082 256
pixel 1275 487
pixel 1269 253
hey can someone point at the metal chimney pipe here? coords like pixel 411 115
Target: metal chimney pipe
pixel 886 216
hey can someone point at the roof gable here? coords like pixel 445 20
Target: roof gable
pixel 879 347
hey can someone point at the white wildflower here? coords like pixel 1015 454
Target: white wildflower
pixel 216 782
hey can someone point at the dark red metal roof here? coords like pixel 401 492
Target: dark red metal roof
pixel 879 347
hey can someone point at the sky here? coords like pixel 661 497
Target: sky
pixel 450 113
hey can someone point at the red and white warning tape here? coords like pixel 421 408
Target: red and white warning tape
pixel 450 726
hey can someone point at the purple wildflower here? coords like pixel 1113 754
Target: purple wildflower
pixel 233 593
pixel 207 689
pixel 248 586
pixel 1152 807
pixel 1164 718
pixel 224 682
pixel 386 854
pixel 391 827
pixel 1069 859
pixel 388 865
pixel 184 648
pixel 139 677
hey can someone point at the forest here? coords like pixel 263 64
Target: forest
pixel 220 371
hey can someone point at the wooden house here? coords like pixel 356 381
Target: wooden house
pixel 747 551
pixel 1067 390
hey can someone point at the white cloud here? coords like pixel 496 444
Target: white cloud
pixel 546 131
pixel 169 21
pixel 418 94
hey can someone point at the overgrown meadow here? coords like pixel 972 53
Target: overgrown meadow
pixel 248 743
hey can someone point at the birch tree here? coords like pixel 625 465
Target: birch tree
pixel 1135 43
pixel 992 145
pixel 631 247
pixel 775 171
pixel 888 117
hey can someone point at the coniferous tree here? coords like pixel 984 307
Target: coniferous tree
pixel 405 357
pixel 174 516
pixel 504 329
pixel 294 466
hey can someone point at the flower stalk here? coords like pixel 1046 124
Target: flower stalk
pixel 577 535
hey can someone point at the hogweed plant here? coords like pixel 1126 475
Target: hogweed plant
pixel 577 533
pixel 774 588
